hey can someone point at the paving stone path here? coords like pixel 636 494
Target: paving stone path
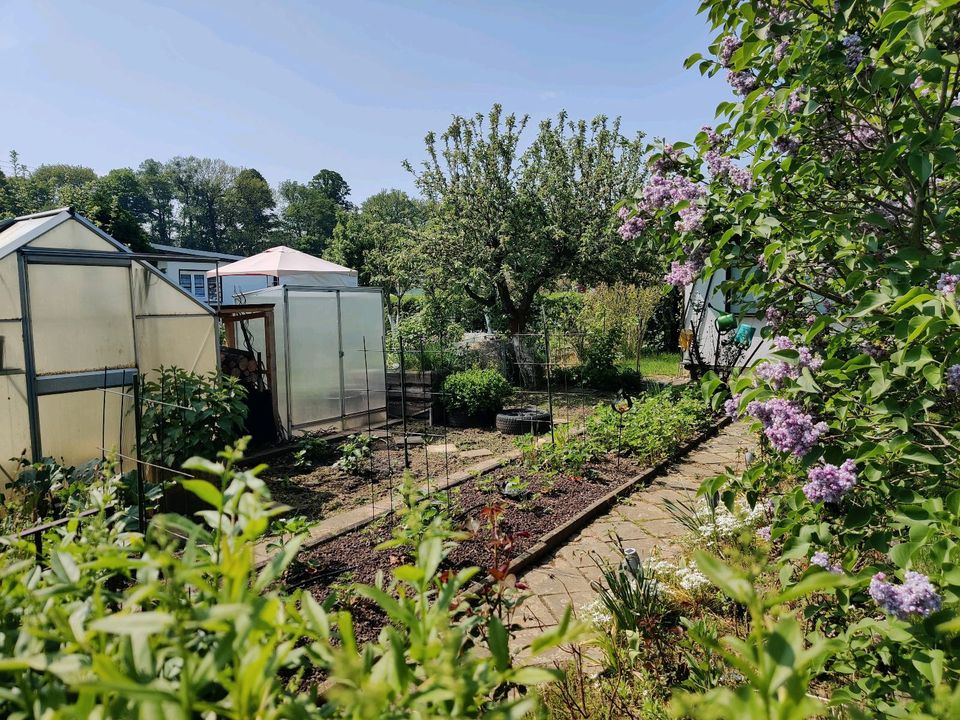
pixel 640 520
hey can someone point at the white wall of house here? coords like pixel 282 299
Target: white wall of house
pixel 191 276
pixel 703 323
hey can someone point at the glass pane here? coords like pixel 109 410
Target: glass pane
pixel 199 286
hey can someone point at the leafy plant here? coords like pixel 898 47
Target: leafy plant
pixel 312 450
pixel 187 415
pixel 476 391
pixel 653 426
pixel 180 622
pixel 355 454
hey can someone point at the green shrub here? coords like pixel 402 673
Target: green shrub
pixel 476 391
pixel 653 426
pixel 187 415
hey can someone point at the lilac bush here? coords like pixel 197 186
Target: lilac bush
pixel 821 559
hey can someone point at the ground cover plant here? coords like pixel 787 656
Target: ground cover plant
pixel 827 194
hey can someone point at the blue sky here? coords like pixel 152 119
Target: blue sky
pixel 293 87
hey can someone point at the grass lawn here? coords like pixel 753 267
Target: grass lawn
pixel 655 364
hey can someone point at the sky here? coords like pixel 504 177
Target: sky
pixel 290 87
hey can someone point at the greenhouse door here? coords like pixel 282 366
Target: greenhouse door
pixel 80 352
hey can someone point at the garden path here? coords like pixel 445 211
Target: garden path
pixel 640 520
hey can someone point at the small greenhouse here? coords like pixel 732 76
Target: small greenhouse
pixel 81 317
pixel 325 347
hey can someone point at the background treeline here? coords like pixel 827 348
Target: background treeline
pixel 191 202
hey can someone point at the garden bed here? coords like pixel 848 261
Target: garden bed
pixel 320 490
pixel 550 499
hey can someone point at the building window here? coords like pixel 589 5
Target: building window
pixel 194 283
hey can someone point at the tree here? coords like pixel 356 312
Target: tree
pixel 157 184
pixel 383 242
pixel 509 221
pixel 248 212
pixel 331 185
pixel 307 217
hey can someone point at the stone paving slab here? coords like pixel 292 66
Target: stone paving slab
pixel 641 520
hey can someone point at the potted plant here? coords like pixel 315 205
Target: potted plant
pixel 474 397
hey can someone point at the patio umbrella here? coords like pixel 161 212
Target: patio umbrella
pixel 285 262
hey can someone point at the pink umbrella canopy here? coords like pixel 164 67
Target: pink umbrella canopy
pixel 281 261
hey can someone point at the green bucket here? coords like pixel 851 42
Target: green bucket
pixel 726 322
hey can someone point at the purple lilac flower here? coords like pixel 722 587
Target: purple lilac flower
pixel 953 378
pixel 861 134
pixel 786 426
pixel 810 319
pixel 732 406
pixel 948 283
pixel 823 560
pixel 854 47
pixel 780 51
pixel 691 219
pixel 786 144
pixel 828 483
pixel 916 597
pixel 764 533
pixel 668 160
pixel 795 103
pixel 774 316
pixel 722 168
pixel 782 342
pixel 714 139
pixel 728 46
pixel 662 191
pixel 743 82
pixel 682 273
pixel 631 226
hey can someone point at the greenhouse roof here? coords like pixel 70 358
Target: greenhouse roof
pixel 17 232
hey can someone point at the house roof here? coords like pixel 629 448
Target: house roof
pixel 199 254
pixel 281 261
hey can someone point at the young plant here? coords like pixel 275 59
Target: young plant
pixel 355 453
pixel 312 450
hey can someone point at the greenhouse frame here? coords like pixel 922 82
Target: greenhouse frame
pixel 82 317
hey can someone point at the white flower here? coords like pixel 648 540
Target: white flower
pixel 596 613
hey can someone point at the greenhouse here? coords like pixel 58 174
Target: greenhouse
pixel 81 317
pixel 327 354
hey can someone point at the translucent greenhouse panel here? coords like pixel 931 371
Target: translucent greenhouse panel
pixel 314 362
pixel 9 288
pixel 182 341
pixel 154 295
pixel 73 235
pixel 11 346
pixel 74 426
pixel 81 318
pixel 361 316
pixel 14 424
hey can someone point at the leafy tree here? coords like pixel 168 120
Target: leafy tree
pixel 383 242
pixel 331 185
pixel 248 211
pixel 157 185
pixel 307 217
pixel 512 221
